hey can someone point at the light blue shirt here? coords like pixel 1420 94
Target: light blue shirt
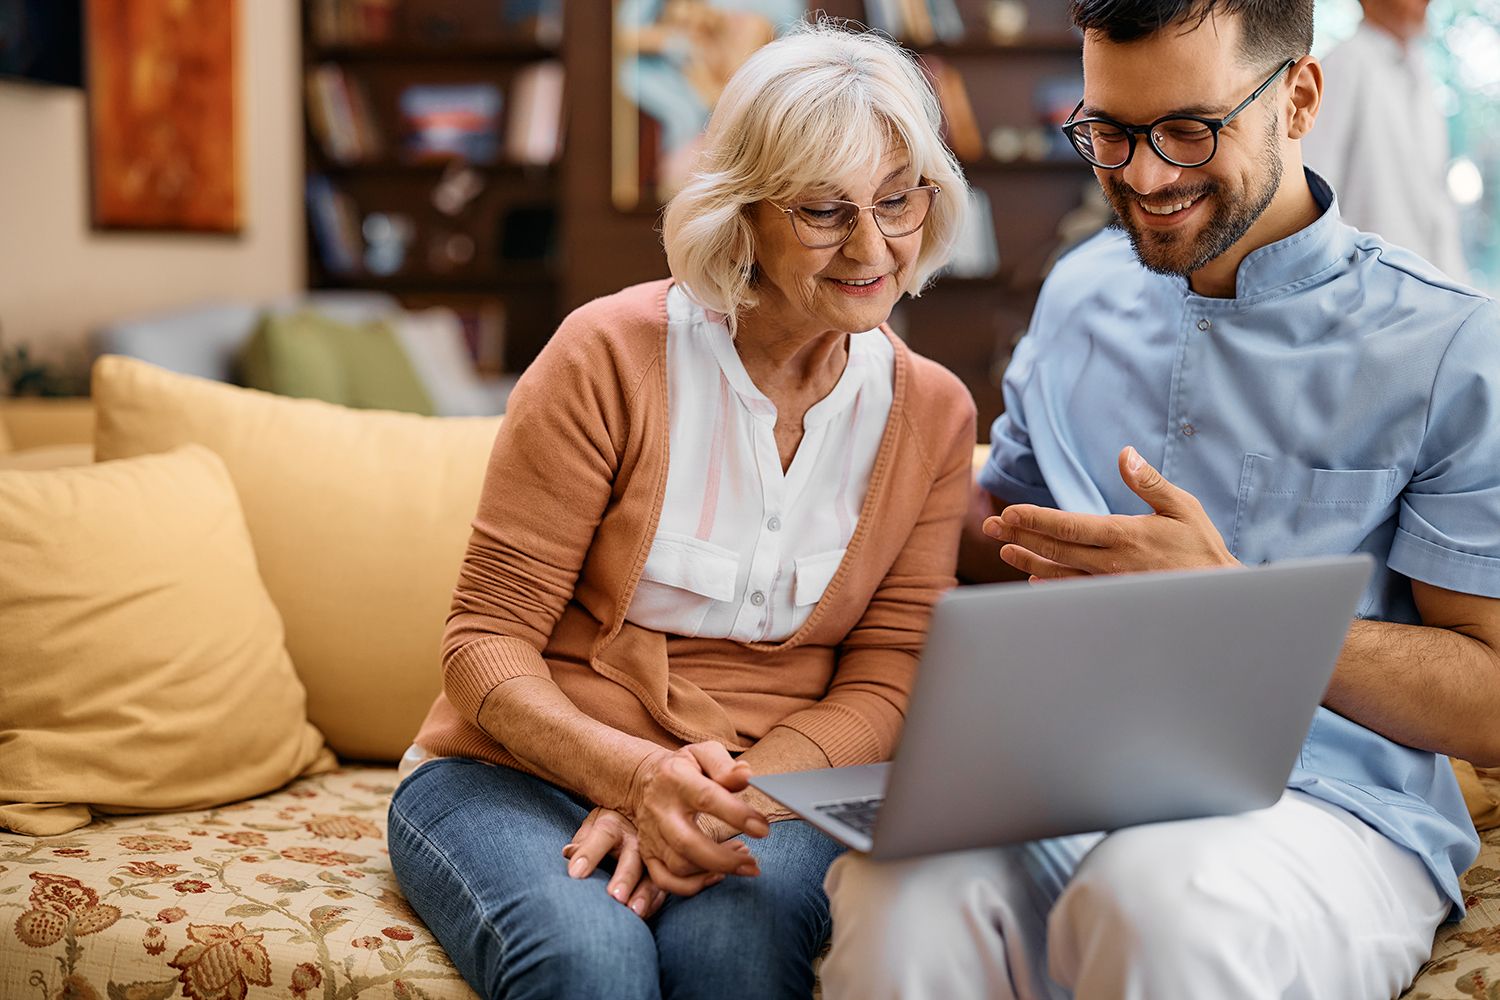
pixel 1347 399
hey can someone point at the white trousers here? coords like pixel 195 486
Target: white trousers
pixel 1300 900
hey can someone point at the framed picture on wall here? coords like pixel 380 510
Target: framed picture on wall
pixel 672 59
pixel 163 143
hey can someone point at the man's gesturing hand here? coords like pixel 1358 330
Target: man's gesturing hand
pixel 1052 544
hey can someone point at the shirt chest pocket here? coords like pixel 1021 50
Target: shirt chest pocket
pixel 814 574
pixel 683 578
pixel 1287 509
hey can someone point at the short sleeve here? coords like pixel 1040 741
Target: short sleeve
pixel 1011 473
pixel 1448 532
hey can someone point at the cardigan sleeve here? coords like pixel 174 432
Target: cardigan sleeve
pixel 548 482
pixel 859 719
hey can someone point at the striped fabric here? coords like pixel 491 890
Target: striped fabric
pixel 744 551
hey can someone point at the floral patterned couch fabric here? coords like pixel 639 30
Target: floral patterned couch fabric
pixel 288 896
pixel 291 896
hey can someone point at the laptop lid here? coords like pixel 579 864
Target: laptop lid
pixel 1076 706
pixel 1098 703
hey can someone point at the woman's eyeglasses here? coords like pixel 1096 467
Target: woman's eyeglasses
pixel 821 225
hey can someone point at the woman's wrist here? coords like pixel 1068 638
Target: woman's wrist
pixel 634 792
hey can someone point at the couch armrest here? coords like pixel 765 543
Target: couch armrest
pixel 52 456
pixel 40 423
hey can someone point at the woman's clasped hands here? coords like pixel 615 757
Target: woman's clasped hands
pixel 675 832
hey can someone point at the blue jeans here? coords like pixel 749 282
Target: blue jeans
pixel 478 852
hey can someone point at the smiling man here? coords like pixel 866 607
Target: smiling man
pixel 1232 375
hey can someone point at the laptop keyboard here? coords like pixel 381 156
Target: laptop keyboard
pixel 859 814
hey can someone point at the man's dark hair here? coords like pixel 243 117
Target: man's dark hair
pixel 1273 29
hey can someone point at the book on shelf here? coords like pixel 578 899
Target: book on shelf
pixel 1054 98
pixel 339 113
pixel 336 227
pixel 541 19
pixel 441 23
pixel 353 22
pixel 534 133
pixel 976 254
pixel 451 122
pixel 960 127
pixel 484 334
pixel 921 22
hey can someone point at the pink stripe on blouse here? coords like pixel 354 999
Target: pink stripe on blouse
pixel 841 503
pixel 710 508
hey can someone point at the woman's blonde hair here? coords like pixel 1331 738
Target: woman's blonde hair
pixel 818 105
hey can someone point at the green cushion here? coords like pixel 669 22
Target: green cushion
pixel 311 356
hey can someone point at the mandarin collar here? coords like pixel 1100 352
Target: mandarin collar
pixel 1277 267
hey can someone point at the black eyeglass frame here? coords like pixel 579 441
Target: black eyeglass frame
pixel 1149 131
pixel 934 189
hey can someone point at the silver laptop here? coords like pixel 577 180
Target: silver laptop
pixel 1070 707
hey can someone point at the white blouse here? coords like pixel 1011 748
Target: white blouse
pixel 742 550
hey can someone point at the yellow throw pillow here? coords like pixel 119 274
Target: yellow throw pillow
pixel 359 520
pixel 141 660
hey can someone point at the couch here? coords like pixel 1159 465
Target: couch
pixel 290 894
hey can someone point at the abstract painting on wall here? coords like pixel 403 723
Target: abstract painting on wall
pixel 672 59
pixel 162 127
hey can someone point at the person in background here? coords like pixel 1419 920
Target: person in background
pixel 716 518
pixel 1381 141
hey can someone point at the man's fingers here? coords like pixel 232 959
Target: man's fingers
pixel 1150 485
pixel 1033 565
pixel 1077 557
pixel 1097 530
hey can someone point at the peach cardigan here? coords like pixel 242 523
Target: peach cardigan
pixel 566 518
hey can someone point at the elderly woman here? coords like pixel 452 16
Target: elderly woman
pixel 715 520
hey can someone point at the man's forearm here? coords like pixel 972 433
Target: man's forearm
pixel 537 723
pixel 1430 688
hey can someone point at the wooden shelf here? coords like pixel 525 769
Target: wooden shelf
pixel 1065 44
pixel 518 277
pixel 536 171
pixel 520 48
pixel 1062 165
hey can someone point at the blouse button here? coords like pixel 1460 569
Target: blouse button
pixel 758 598
pixel 1204 325
pixel 774 524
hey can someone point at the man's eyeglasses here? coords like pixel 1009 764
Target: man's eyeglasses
pixel 1182 140
pixel 821 225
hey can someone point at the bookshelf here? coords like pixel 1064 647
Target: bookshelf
pixel 967 324
pixel 433 133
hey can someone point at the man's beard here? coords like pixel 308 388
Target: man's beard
pixel 1172 252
